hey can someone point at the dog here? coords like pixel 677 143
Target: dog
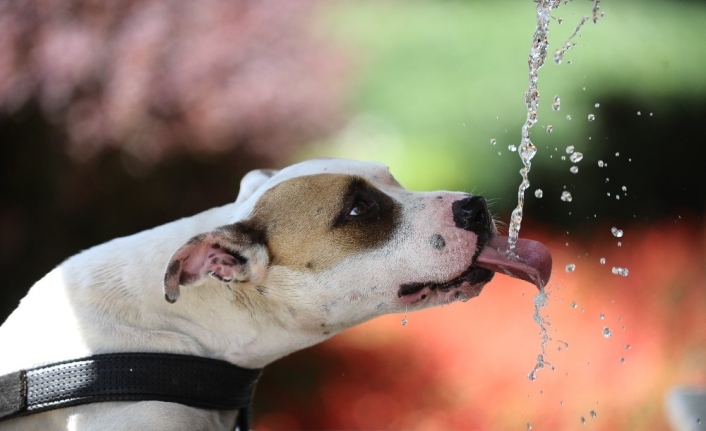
pixel 302 254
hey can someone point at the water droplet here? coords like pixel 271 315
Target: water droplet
pixel 538 193
pixel 550 128
pixel 593 414
pixel 568 117
pixel 571 267
pixel 556 105
pixel 404 322
pixel 493 141
pixel 576 157
pixel 602 261
pixel 617 154
pixel 574 169
pixel 597 105
pixel 573 304
pixel 528 151
pixel 627 347
pixel 620 244
pixel 625 189
pixel 563 158
pixel 622 360
pixel 512 148
pixel 583 420
pixel 566 196
pixel 620 271
pixel 606 332
pixel 616 232
pixel 529 426
pixel 569 149
pixel 602 316
pixel 698 421
pixel 639 113
pixel 591 117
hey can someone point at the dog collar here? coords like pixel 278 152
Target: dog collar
pixel 190 380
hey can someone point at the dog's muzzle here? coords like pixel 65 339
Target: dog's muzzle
pixel 529 260
pixel 471 214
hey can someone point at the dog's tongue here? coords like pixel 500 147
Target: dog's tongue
pixel 532 261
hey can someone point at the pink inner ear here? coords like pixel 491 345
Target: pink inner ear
pixel 210 259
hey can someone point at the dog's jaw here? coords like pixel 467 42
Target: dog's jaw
pixel 464 287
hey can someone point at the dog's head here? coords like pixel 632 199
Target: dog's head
pixel 338 242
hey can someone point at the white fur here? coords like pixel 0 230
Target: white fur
pixel 110 299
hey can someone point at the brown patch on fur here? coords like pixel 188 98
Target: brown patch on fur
pixel 307 224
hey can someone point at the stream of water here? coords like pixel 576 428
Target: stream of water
pixel 527 149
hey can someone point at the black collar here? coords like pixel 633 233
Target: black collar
pixel 190 380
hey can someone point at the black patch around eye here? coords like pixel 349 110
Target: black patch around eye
pixel 374 226
pixel 362 202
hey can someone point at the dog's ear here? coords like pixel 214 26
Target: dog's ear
pixel 232 253
pixel 252 181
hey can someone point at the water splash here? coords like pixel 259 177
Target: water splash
pixel 540 301
pixel 559 53
pixel 576 157
pixel 535 60
pixel 527 150
pixel 620 271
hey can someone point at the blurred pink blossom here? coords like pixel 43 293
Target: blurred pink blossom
pixel 151 77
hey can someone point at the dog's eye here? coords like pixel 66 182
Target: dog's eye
pixel 360 208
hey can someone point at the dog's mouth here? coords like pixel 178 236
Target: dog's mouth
pixel 531 262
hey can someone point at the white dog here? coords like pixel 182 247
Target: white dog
pixel 301 255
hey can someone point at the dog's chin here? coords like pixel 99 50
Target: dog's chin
pixel 464 287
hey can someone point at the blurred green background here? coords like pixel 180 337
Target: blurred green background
pixel 121 116
pixel 441 79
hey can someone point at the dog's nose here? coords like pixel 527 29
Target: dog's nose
pixel 472 214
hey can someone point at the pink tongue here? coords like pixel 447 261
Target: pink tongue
pixel 532 263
